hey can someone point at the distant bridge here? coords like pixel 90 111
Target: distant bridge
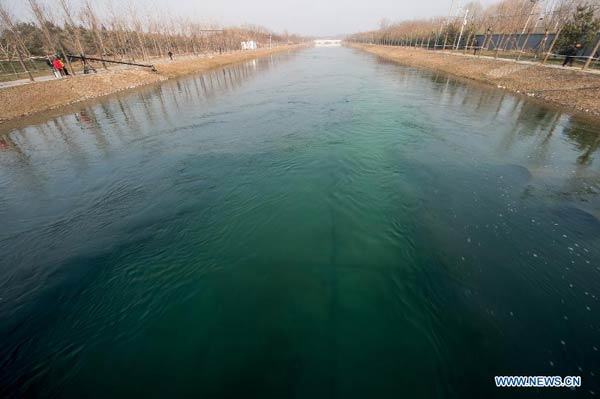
pixel 328 43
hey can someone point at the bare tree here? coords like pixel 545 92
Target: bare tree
pixel 122 32
pixel 15 41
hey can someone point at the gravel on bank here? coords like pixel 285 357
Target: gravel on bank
pixel 29 99
pixel 573 90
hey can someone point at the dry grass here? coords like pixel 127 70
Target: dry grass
pixel 570 89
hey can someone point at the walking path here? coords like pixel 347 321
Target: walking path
pixel 23 97
pixel 21 82
pixel 524 62
pixel 157 61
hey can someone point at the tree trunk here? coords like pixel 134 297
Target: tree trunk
pixel 467 42
pixel 23 65
pixel 552 45
pixel 594 51
pixel 524 44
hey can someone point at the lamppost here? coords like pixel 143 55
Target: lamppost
pixel 462 29
pixel 487 39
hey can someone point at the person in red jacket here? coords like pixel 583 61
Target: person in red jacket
pixel 59 66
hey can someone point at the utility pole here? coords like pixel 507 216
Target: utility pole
pixel 446 22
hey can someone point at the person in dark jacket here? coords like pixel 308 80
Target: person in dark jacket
pixel 570 54
pixel 61 58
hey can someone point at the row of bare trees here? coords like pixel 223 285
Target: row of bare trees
pixel 116 31
pixel 503 26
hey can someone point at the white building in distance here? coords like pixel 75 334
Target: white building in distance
pixel 328 43
pixel 249 45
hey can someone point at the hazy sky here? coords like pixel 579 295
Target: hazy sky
pixel 309 17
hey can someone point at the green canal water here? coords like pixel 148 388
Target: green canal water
pixel 320 224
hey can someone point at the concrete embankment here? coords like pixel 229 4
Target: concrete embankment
pixel 569 89
pixel 37 97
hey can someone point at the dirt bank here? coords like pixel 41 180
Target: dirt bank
pixel 37 97
pixel 572 90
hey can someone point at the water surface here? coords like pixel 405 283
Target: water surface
pixel 314 225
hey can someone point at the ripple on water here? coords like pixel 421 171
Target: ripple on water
pixel 336 227
pixel 582 223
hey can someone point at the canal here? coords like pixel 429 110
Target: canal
pixel 319 224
